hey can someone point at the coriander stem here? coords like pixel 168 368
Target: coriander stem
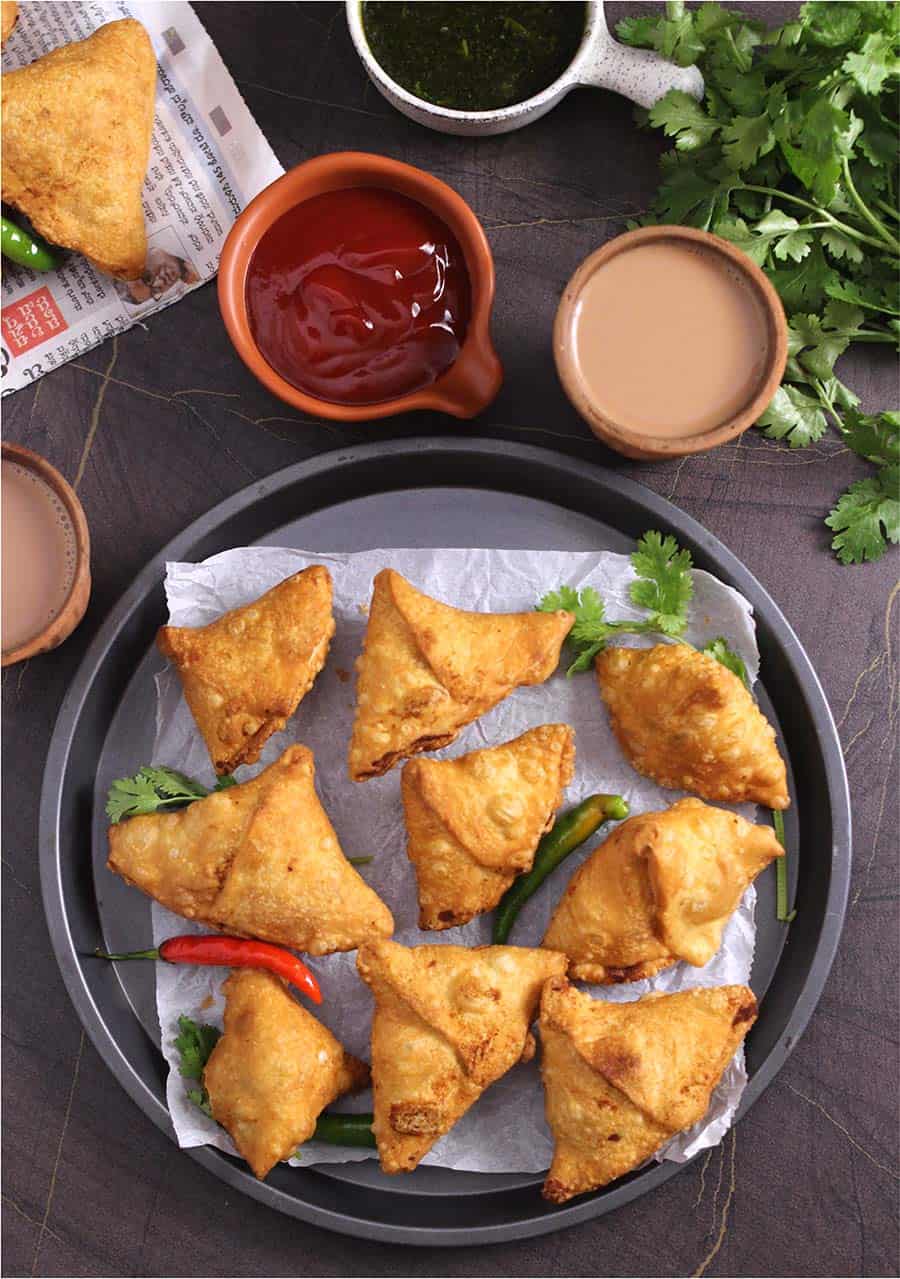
pixel 891 241
pixel 815 208
pixel 887 208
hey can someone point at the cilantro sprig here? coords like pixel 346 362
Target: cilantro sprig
pixel 155 787
pixel 792 156
pixel 195 1042
pixel 663 585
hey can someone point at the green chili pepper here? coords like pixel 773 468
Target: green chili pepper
pixel 345 1130
pixel 571 830
pixel 782 914
pixel 19 246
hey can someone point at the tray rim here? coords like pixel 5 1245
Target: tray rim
pixel 53 892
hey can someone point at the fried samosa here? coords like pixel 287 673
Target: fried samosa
pixel 473 823
pixel 274 1070
pixel 660 888
pixel 260 860
pixel 246 673
pixel 621 1079
pixel 76 141
pixel 9 11
pixel 448 1022
pixel 685 720
pixel 427 670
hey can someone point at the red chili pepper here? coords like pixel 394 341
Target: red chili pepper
pixel 230 952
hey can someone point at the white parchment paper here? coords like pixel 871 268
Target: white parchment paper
pixel 505 1131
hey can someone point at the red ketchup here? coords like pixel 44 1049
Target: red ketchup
pixel 358 296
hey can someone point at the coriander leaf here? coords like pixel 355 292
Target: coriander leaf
pixel 875 63
pixel 746 139
pixel 804 285
pixel 841 246
pixel 719 649
pixel 641 31
pixel 225 782
pixel 871 295
pixel 664 584
pixel 200 1097
pixel 194 1042
pixel 794 416
pixel 866 517
pixel 174 785
pixel 830 23
pixel 681 117
pixel 588 616
pixel 565 598
pixel 151 788
pixel 876 438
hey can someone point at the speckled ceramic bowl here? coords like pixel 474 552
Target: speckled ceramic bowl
pixel 600 63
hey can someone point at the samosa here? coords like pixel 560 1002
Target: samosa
pixel 76 141
pixel 275 1068
pixel 246 673
pixel 448 1022
pixel 473 823
pixel 428 669
pixel 621 1079
pixel 660 888
pixel 688 722
pixel 260 859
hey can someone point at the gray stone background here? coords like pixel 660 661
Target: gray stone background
pixel 157 426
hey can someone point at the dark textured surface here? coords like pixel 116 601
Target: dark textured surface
pixel 158 426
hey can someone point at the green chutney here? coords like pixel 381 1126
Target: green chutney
pixel 473 57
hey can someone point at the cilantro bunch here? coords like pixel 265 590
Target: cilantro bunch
pixel 792 156
pixel 663 586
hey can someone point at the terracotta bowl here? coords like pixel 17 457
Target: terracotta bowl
pixel 71 613
pixel 471 382
pixel 639 444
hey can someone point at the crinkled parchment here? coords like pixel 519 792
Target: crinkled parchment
pixel 505 1131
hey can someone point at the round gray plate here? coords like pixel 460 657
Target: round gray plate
pixel 437 492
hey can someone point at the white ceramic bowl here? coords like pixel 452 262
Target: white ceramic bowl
pixel 600 62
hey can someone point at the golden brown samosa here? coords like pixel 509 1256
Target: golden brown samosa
pixel 246 673
pixel 621 1079
pixel 274 1070
pixel 473 823
pixel 448 1022
pixel 9 11
pixel 260 859
pixel 428 669
pixel 660 888
pixel 685 720
pixel 76 141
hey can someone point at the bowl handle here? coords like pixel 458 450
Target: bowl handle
pixel 638 74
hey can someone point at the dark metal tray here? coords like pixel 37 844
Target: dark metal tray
pixel 426 492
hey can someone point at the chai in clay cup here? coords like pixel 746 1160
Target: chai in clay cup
pixel 600 62
pixel 642 444
pixel 469 384
pixel 73 610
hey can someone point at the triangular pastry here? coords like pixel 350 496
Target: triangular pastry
pixel 428 669
pixel 274 1070
pixel 9 11
pixel 448 1022
pixel 685 720
pixel 260 859
pixel 76 141
pixel 473 823
pixel 246 673
pixel 621 1079
pixel 660 888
